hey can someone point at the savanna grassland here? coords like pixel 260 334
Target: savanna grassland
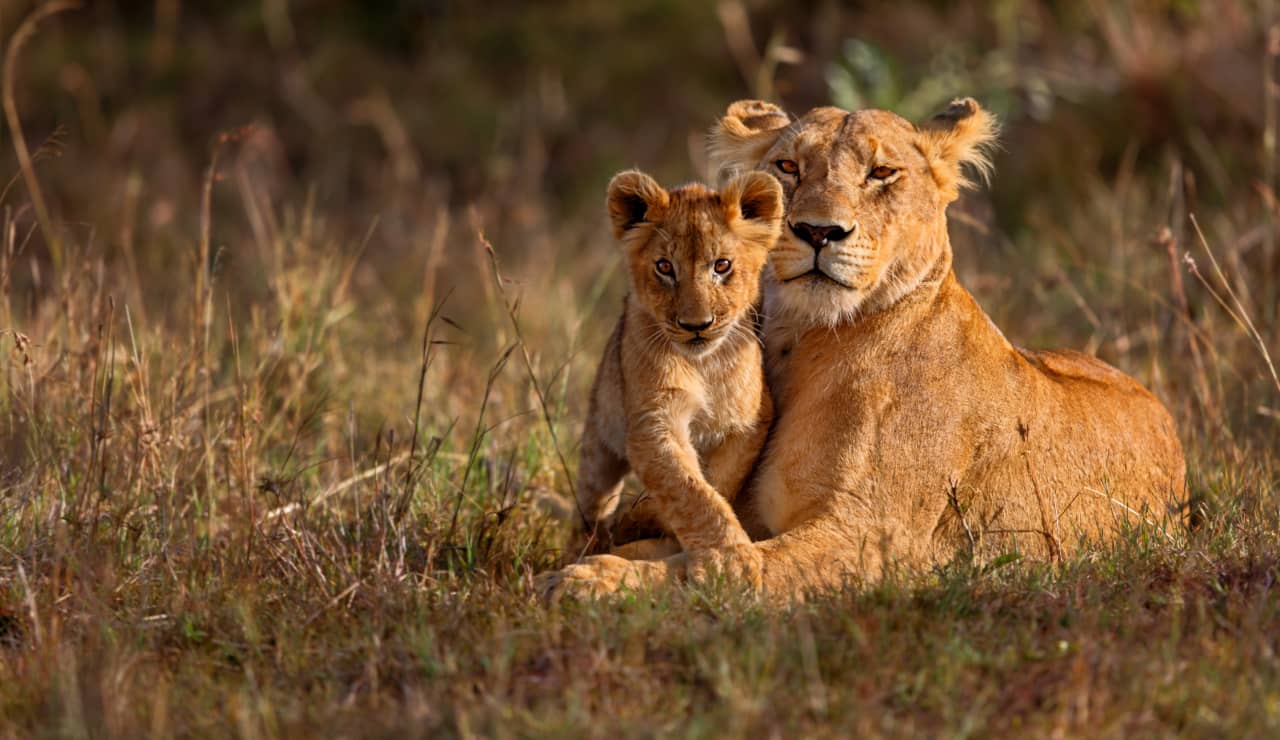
pixel 299 303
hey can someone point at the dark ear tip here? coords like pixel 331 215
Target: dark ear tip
pixel 749 108
pixel 958 110
pixel 757 115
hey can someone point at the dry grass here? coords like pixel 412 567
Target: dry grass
pixel 273 457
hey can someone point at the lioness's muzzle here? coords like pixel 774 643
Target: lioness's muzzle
pixel 818 236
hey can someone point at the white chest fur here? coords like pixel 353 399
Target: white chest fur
pixel 728 398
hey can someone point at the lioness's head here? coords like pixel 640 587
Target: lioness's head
pixel 866 197
pixel 694 254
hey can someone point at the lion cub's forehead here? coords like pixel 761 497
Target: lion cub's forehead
pixel 694 219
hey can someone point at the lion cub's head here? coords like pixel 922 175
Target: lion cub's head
pixel 867 195
pixel 694 254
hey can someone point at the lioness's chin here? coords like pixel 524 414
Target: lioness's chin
pixel 816 301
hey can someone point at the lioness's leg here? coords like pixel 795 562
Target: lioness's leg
pixel 654 548
pixel 814 556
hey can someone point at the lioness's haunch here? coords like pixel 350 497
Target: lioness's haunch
pixel 680 395
pixel 908 428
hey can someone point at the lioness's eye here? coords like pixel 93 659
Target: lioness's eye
pixel 722 266
pixel 664 267
pixel 882 172
pixel 788 166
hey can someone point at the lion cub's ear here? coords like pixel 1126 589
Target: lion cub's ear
pixel 963 134
pixel 634 198
pixel 753 207
pixel 740 139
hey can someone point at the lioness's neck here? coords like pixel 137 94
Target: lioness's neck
pixel 916 274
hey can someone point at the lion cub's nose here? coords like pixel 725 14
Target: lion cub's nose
pixel 818 236
pixel 696 324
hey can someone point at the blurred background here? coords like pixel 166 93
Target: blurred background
pixel 317 176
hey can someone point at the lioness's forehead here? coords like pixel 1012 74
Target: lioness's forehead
pixel 861 131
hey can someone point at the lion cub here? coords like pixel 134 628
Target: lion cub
pixel 680 395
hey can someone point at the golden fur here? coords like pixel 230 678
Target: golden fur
pixel 908 428
pixel 680 394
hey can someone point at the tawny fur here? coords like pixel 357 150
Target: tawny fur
pixel 909 428
pixel 687 409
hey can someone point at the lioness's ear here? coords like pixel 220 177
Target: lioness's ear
pixel 634 198
pixel 740 139
pixel 963 134
pixel 753 206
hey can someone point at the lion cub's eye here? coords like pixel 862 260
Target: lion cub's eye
pixel 722 266
pixel 882 172
pixel 664 267
pixel 788 166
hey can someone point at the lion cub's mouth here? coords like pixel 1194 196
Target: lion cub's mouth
pixel 700 344
pixel 697 345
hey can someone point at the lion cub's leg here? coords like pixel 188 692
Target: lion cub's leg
pixel 600 472
pixel 690 507
pixel 601 464
pixel 637 519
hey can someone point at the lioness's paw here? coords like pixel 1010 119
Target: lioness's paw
pixel 595 577
pixel 739 564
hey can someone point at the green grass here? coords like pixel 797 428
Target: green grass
pixel 237 497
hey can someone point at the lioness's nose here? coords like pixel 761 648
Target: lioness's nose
pixel 696 324
pixel 818 236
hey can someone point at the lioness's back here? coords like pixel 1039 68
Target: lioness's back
pixel 1115 444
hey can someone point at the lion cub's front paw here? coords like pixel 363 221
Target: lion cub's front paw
pixel 595 577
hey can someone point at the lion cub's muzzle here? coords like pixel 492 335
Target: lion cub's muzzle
pixel 702 323
pixel 700 334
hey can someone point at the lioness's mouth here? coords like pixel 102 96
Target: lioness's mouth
pixel 818 273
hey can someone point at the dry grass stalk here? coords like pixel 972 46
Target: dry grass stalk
pixel 20 37
pixel 1238 314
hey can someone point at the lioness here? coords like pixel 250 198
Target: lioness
pixel 908 428
pixel 680 388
